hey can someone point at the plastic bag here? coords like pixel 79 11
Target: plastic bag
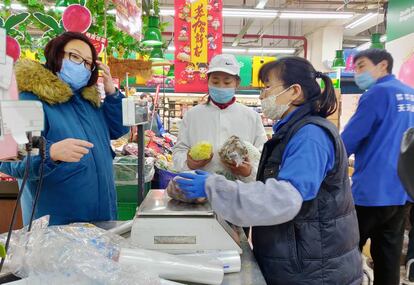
pixel 80 252
pixel 174 192
pixel 126 172
pixel 234 151
pixel 175 267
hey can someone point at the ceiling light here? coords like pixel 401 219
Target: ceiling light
pixel 315 15
pixel 111 12
pixel 271 50
pixel 234 50
pixel 339 61
pixel 365 46
pixel 251 50
pixel 261 4
pixel 361 20
pixel 249 13
pixel 270 14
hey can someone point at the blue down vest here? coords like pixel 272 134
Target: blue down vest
pixel 320 245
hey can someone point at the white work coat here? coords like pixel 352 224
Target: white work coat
pixel 207 122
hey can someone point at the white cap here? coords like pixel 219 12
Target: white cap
pixel 225 63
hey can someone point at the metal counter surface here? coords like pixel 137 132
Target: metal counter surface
pixel 250 273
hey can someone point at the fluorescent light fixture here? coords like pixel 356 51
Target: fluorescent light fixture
pixel 261 4
pixel 315 15
pixel 271 50
pixel 234 50
pixel 365 46
pixel 361 20
pixel 111 12
pixel 249 13
pixel 270 14
pixel 252 50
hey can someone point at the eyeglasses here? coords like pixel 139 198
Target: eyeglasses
pixel 76 58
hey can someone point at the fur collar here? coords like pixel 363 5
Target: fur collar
pixel 33 77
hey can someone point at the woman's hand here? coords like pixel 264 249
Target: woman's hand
pixel 69 150
pixel 109 86
pixel 243 170
pixel 197 164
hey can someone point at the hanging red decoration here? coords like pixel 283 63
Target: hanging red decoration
pixel 76 18
pixel 12 48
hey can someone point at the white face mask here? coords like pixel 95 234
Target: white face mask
pixel 271 110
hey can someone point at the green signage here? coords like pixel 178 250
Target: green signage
pixel 245 69
pixel 400 19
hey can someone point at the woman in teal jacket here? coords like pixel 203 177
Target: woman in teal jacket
pixel 78 184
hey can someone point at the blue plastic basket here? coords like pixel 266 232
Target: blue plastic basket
pixel 164 177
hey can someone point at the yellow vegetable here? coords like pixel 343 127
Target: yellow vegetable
pixel 201 151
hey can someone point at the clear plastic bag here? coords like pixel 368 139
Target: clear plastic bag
pixel 234 151
pixel 174 192
pixel 126 172
pixel 81 253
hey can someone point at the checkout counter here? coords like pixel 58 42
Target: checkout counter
pixel 167 226
pixel 8 195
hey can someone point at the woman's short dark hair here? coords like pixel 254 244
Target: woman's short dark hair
pixel 296 70
pixel 54 53
pixel 376 56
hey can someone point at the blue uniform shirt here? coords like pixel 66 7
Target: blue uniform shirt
pixel 374 135
pixel 308 157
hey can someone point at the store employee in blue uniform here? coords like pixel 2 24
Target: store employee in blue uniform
pixel 385 111
pixel 305 228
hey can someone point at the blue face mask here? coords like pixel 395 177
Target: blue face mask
pixel 221 95
pixel 365 80
pixel 76 75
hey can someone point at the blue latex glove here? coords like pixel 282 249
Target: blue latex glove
pixel 194 184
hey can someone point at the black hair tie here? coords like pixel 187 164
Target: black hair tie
pixel 318 74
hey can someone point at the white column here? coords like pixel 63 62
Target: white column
pixel 322 46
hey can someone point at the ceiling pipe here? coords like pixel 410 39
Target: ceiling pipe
pixel 274 37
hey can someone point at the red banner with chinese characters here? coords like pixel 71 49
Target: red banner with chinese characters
pixel 197 37
pixel 98 42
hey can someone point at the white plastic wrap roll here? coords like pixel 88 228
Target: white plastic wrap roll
pixel 230 258
pixel 174 267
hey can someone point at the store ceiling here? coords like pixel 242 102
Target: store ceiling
pixel 296 27
pixel 276 25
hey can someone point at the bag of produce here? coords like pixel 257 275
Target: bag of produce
pixel 174 192
pixel 234 151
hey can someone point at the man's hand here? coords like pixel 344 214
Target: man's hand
pixel 244 169
pixel 197 164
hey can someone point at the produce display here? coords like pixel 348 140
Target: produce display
pixel 158 157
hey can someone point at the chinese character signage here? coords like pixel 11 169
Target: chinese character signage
pixel 197 38
pixel 98 42
pixel 128 17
